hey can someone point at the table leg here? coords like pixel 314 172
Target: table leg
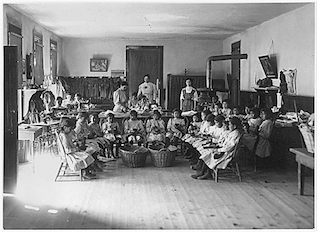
pixel 33 156
pixel 301 176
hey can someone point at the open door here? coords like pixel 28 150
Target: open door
pixel 10 118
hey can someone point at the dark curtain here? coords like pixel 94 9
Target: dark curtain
pixel 95 88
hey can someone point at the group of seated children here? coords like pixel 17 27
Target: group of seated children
pixel 211 143
pixel 47 107
pixel 155 129
pixel 142 104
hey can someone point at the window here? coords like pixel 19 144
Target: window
pixel 53 58
pixel 38 58
pixel 15 39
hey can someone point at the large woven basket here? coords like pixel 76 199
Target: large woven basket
pixel 134 156
pixel 161 156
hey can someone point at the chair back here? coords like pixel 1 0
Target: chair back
pixel 237 149
pixel 61 150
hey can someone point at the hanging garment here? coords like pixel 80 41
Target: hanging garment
pixel 291 76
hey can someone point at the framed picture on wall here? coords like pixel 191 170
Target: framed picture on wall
pixel 98 65
pixel 269 66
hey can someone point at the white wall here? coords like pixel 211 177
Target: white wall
pixel 178 55
pixel 291 37
pixel 27 32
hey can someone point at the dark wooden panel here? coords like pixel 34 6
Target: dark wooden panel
pixel 10 118
pixel 248 98
pixel 305 103
pixel 176 83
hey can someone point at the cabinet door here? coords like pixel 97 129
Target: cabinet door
pixel 10 118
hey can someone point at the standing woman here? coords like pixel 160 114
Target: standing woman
pixel 120 98
pixel 188 97
pixel 148 89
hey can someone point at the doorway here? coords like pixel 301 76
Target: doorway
pixel 235 74
pixel 142 60
pixel 10 118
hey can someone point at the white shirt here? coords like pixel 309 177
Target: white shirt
pixel 149 90
pixel 189 90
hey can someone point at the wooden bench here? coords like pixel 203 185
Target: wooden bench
pixel 304 159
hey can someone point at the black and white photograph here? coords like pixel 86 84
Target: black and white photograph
pixel 159 115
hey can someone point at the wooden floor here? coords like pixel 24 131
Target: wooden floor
pixel 158 198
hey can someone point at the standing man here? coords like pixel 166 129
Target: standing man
pixel 148 89
pixel 120 98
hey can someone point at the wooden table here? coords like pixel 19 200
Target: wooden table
pixel 30 133
pixel 304 159
pixel 48 125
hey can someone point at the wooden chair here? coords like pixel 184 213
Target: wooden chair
pixel 233 165
pixel 64 170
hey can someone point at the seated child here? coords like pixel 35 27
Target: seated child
pixel 96 132
pixel 194 127
pixel 263 147
pixel 155 106
pixel 189 138
pixel 221 155
pixel 236 112
pixel 82 132
pixel 206 149
pixel 76 159
pixel 247 110
pixel 68 102
pixel 156 128
pixel 217 129
pixel 176 128
pixel 133 101
pixel 112 134
pixel 133 129
pixel 254 121
pixel 143 104
pixel 206 133
pixel 215 99
pixel 94 127
pixel 226 111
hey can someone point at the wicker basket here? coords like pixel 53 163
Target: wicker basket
pixel 134 156
pixel 162 157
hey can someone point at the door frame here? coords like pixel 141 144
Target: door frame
pixel 235 73
pixel 160 74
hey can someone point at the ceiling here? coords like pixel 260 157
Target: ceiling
pixel 151 20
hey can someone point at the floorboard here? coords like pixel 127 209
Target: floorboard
pixel 158 198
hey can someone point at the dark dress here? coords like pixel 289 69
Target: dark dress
pixel 187 104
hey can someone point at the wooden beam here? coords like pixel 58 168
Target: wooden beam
pixel 228 57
